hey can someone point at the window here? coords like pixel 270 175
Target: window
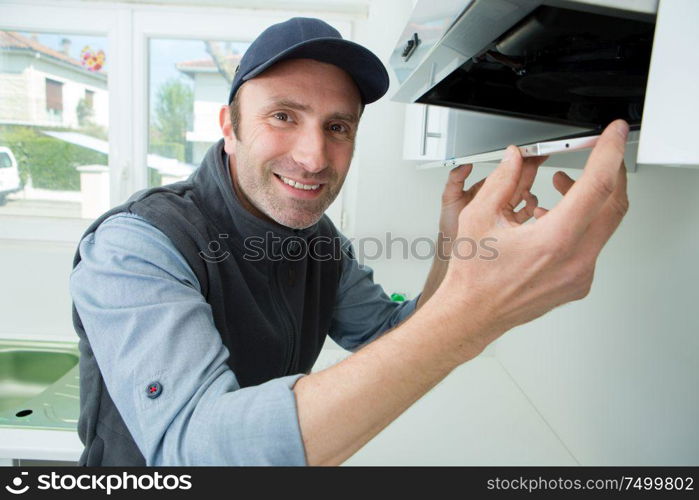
pixel 60 145
pixel 5 161
pixel 54 98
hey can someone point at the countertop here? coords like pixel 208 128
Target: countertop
pixel 39 444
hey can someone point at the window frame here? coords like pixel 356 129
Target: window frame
pixel 80 21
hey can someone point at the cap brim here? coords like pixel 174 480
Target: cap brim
pixel 367 71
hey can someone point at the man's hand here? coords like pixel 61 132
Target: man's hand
pixel 455 199
pixel 541 265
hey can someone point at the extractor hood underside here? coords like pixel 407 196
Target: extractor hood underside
pixel 557 65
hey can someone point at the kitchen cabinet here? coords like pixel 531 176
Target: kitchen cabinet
pixel 437 80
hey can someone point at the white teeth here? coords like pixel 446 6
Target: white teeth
pixel 298 185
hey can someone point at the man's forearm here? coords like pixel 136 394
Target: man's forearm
pixel 342 407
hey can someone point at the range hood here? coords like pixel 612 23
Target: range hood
pixel 533 70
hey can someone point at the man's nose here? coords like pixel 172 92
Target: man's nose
pixel 310 149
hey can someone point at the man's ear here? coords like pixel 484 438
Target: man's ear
pixel 224 120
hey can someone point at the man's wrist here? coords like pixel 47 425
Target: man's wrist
pixel 456 325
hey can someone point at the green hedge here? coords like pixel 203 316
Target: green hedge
pixel 154 178
pixel 168 149
pixel 50 162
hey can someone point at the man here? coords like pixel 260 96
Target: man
pixel 196 351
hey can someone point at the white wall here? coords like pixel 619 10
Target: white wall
pixel 382 191
pixel 616 374
pixel 210 91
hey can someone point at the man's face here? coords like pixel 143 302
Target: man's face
pixel 298 122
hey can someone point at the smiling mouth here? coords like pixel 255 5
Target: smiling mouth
pixel 298 185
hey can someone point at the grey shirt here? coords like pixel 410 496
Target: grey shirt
pixel 133 289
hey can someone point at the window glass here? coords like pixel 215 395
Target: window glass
pixel 54 99
pixel 55 133
pixel 189 81
pixel 5 161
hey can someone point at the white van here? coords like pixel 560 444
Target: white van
pixel 9 174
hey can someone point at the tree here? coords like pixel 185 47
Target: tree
pixel 85 112
pixel 224 63
pixel 173 111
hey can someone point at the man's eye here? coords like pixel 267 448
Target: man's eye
pixel 281 117
pixel 338 127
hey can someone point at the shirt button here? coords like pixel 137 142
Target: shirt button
pixel 153 390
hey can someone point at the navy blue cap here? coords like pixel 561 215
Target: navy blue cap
pixel 304 37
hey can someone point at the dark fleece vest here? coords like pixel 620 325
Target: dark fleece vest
pixel 272 303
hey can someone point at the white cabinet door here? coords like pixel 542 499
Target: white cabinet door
pixel 669 126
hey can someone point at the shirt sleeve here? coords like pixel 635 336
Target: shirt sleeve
pixel 146 321
pixel 363 311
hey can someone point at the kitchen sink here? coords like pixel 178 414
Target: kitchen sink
pixel 39 384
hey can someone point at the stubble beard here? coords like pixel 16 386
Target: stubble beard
pixel 257 184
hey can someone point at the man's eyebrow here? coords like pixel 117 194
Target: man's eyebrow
pixel 349 117
pixel 288 103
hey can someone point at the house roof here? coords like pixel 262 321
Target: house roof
pixel 206 65
pixel 14 41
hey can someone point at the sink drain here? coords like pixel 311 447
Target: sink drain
pixel 23 413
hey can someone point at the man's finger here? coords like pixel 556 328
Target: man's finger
pixel 539 212
pixel 584 200
pixel 455 182
pixel 474 189
pixel 527 212
pixel 562 182
pixel 530 167
pixel 500 185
